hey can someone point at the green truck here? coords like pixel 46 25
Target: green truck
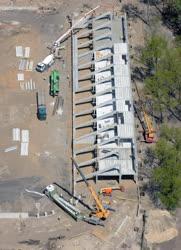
pixel 54 83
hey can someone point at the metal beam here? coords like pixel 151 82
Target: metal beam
pixel 87 149
pixel 89 111
pixel 101 37
pixel 108 46
pixel 107 67
pixel 103 16
pixel 96 159
pixel 89 176
pixel 106 79
pixel 95 146
pixel 102 26
pixel 85 89
pixel 89 98
pixel 90 123
pixel 94 133
pixel 101 58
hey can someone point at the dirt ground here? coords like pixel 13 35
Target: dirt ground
pixel 50 140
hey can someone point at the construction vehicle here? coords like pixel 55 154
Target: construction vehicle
pixel 51 193
pixel 108 190
pixel 49 60
pixel 41 106
pixel 63 37
pixel 100 211
pixel 145 120
pixel 54 83
pixel 46 63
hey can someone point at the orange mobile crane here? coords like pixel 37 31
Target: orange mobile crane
pixel 146 123
pixel 100 211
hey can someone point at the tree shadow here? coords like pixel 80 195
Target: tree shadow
pixel 139 73
pixel 146 175
pixel 171 18
pixel 175 113
pixel 152 190
pixel 30 242
pixel 70 194
pixel 133 12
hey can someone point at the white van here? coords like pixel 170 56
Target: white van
pixel 46 63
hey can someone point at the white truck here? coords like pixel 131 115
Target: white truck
pixel 46 63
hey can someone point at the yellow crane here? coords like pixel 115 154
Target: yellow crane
pixel 145 120
pixel 100 211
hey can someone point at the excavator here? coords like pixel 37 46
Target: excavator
pixel 100 211
pixel 146 123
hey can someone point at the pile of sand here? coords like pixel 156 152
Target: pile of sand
pixel 160 226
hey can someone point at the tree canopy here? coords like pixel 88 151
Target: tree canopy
pixel 155 49
pixel 171 12
pixel 167 173
pixel 163 81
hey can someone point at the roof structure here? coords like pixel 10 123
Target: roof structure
pixel 103 122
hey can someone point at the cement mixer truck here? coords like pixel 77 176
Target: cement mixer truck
pixel 46 63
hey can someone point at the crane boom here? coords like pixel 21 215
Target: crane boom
pixel 146 122
pixel 68 32
pixel 101 211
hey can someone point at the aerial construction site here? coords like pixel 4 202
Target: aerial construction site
pixel 74 129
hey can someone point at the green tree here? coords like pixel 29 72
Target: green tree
pixel 155 49
pixel 170 11
pixel 165 85
pixel 167 173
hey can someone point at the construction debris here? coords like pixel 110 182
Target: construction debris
pixel 16 134
pixel 25 135
pixel 19 51
pixel 27 52
pixel 29 85
pixel 10 149
pixel 24 149
pixel 24 142
pixel 30 68
pixel 58 106
pixel 22 52
pixel 25 65
pixel 20 77
pixel 22 64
